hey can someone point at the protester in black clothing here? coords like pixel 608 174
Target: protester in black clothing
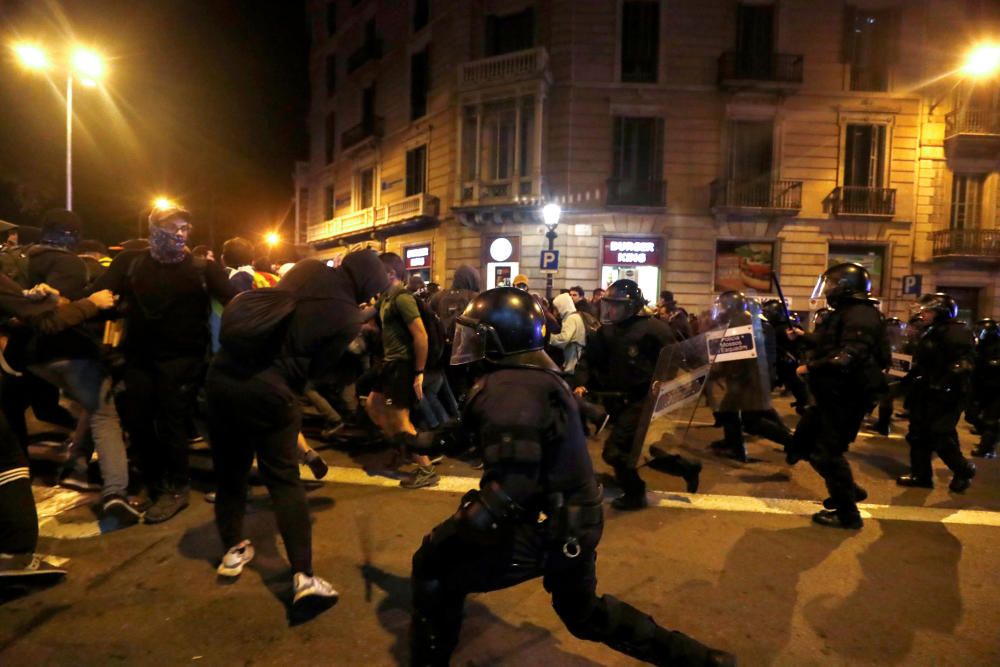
pixel 524 421
pixel 668 311
pixel 166 294
pixel 845 376
pixel 622 359
pixel 986 388
pixel 937 387
pixel 254 406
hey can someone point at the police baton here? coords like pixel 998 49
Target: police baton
pixel 781 295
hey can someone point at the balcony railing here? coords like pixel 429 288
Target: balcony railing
pixel 370 50
pixel 371 127
pixel 776 68
pixel 972 121
pixel 624 192
pixel 516 66
pixel 493 191
pixel 410 208
pixel 778 196
pixel 863 201
pixel 982 243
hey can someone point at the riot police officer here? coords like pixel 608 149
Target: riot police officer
pixel 938 385
pixel 986 387
pixel 524 419
pixel 787 351
pixel 845 377
pixel 622 359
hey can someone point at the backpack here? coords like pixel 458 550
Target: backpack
pixel 448 307
pixel 591 324
pixel 14 264
pixel 255 322
pixel 434 328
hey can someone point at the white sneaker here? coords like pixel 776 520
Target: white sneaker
pixel 235 559
pixel 318 589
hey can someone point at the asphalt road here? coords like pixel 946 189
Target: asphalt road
pixel 738 566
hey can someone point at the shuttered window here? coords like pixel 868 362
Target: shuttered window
pixel 640 40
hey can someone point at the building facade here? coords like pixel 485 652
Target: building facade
pixel 694 145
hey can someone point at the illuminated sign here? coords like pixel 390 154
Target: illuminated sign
pixel 417 257
pixel 501 249
pixel 632 252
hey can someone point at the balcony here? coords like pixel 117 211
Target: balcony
pixel 524 65
pixel 859 201
pixel 972 134
pixel 757 197
pixel 371 128
pixel 623 192
pixel 776 71
pixel 497 191
pixel 370 51
pixel 373 218
pixel 971 244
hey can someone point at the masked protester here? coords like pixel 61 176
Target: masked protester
pixel 524 420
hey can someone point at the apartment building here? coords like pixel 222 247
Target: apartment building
pixel 695 145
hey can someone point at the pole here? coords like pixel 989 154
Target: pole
pixel 69 143
pixel 551 236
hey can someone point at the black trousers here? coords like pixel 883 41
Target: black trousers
pixel 618 447
pixel 448 567
pixel 824 434
pixel 258 415
pixel 18 518
pixel 159 402
pixel 932 431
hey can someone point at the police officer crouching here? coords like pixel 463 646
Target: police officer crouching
pixel 845 376
pixel 938 384
pixel 524 419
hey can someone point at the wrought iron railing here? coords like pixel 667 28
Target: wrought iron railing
pixel 637 192
pixel 972 121
pixel 774 67
pixel 370 127
pixel 860 200
pixel 967 242
pixel 370 50
pixel 776 195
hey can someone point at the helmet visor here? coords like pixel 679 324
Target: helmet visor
pixel 469 345
pixel 613 311
pixel 819 291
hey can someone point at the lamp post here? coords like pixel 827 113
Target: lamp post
pixel 981 62
pixel 88 66
pixel 550 216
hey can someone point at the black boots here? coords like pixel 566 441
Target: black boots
pixel 961 482
pixel 834 519
pixel 915 481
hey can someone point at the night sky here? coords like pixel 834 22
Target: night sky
pixel 205 101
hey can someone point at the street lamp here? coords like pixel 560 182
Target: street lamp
pixel 550 216
pixel 272 239
pixel 161 203
pixel 982 61
pixel 89 66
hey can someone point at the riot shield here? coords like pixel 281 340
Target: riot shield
pixel 901 338
pixel 726 364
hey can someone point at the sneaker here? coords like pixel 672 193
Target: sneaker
pixel 235 559
pixel 118 508
pixel 313 590
pixel 78 480
pixel 27 565
pixel 210 497
pixel 316 464
pixel 421 478
pixel 167 506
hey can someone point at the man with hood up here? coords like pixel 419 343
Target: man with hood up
pixel 572 337
pixel 449 304
pixel 254 409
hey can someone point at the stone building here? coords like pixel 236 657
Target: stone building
pixel 694 145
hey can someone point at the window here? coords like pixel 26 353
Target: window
pixel 328 202
pixel 504 134
pixel 366 188
pixel 640 40
pixel 751 151
pixel 368 107
pixel 421 13
pixel 416 171
pixel 513 32
pixel 755 40
pixel 331 74
pixel 420 83
pixel 865 154
pixel 638 161
pixel 870 46
pixel 967 201
pixel 331 18
pixel 330 136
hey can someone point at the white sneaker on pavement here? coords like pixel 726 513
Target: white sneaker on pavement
pixel 235 559
pixel 313 589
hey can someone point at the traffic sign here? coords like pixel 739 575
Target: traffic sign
pixel 550 261
pixel 913 284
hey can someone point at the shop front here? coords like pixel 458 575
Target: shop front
pixel 419 260
pixel 633 258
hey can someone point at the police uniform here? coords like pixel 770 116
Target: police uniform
pixel 537 512
pixel 986 388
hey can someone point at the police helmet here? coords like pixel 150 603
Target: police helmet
pixel 942 305
pixel 988 341
pixel 820 317
pixel 504 326
pixel 983 326
pixel 728 304
pixel 622 300
pixel 843 282
pixel 774 312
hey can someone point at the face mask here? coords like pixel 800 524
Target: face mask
pixel 165 246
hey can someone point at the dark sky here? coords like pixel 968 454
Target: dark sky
pixel 205 101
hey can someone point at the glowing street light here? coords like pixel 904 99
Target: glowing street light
pixel 88 66
pixel 982 61
pixel 161 203
pixel 272 239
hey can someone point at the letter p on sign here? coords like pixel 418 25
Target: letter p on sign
pixel 550 261
pixel 913 284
